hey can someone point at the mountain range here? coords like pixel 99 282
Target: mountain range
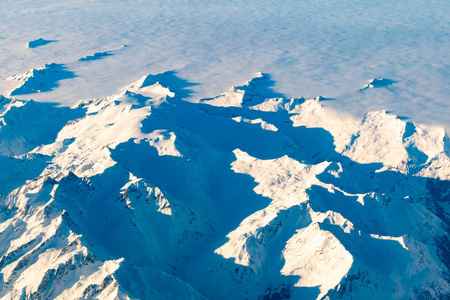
pixel 247 195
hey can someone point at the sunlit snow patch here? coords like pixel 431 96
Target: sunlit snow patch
pixel 318 257
pixel 139 187
pixel 264 124
pixel 149 86
pixel 253 92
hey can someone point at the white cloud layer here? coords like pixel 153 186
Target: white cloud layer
pixel 310 48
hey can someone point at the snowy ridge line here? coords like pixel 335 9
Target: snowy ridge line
pixel 39 80
pixel 140 194
pixel 96 56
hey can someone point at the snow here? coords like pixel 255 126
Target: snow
pixel 377 83
pixel 264 124
pixel 39 80
pixel 268 195
pixel 323 261
pixel 119 185
pixel 95 56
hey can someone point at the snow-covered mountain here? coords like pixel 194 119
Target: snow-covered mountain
pixel 248 195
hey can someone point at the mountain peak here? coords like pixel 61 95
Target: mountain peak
pixel 253 92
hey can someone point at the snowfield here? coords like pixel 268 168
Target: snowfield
pixel 172 185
